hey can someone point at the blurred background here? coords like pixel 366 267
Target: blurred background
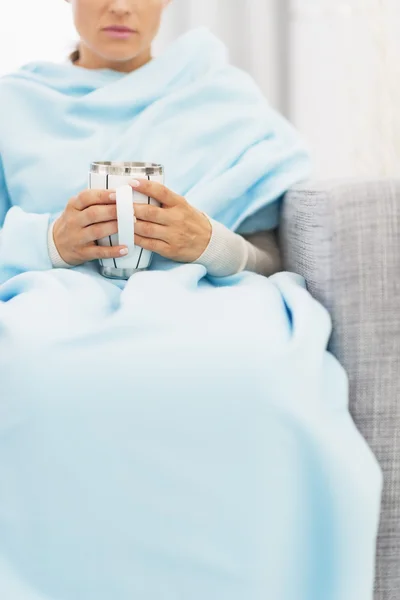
pixel 331 66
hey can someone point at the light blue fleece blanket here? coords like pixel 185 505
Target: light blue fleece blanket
pixel 173 437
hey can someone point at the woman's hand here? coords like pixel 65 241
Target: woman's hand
pixel 88 217
pixel 176 230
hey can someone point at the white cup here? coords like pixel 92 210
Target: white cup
pixel 115 175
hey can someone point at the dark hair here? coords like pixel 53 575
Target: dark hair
pixel 75 55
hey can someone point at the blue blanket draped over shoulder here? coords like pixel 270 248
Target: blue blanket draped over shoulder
pixel 175 436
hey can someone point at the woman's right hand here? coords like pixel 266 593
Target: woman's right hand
pixel 88 217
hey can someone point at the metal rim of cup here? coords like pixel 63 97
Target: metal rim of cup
pixel 125 168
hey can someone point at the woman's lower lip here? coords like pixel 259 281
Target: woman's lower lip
pixel 121 35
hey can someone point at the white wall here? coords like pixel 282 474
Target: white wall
pixel 345 84
pixel 33 30
pixel 250 28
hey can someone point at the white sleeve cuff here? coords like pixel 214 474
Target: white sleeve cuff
pixel 226 253
pixel 56 260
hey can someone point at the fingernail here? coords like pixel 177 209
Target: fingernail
pixel 135 183
pixel 113 196
pixel 124 251
pixel 134 219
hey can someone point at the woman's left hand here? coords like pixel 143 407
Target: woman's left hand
pixel 176 230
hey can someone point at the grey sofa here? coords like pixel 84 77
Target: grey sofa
pixel 344 238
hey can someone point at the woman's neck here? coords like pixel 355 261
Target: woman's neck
pixel 90 60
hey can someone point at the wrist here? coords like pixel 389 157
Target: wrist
pixel 226 253
pixel 206 237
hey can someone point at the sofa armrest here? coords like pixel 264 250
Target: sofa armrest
pixel 344 238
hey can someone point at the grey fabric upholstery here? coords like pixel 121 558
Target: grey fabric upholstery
pixel 344 238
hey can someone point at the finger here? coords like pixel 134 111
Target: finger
pixel 154 214
pixel 152 230
pixel 99 231
pixel 154 245
pixel 153 189
pixel 98 214
pixel 90 197
pixel 94 252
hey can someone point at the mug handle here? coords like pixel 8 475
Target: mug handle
pixel 126 219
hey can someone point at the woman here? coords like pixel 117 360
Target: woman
pixel 177 435
pixel 201 240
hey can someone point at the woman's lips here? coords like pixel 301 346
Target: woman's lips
pixel 121 33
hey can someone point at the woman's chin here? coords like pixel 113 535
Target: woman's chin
pixel 121 55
